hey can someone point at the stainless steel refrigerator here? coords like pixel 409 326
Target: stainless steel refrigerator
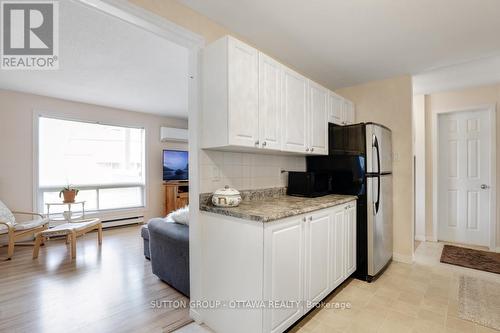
pixel 360 163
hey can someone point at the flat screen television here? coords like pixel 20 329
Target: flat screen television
pixel 175 165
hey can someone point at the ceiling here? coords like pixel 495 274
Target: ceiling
pixel 345 42
pixel 109 62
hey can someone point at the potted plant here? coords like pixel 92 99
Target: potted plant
pixel 69 193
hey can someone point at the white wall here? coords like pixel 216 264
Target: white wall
pixel 389 102
pixel 17 143
pixel 419 151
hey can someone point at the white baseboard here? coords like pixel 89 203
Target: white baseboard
pixel 196 316
pixel 406 259
pixel 497 250
pixel 420 238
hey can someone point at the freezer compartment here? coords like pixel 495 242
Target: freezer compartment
pixel 379 222
pixel 378 149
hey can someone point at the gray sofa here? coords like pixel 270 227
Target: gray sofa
pixel 167 246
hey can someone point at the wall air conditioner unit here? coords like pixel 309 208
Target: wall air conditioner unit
pixel 173 134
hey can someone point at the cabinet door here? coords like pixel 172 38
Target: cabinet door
pixel 317 257
pixel 335 106
pixel 283 272
pixel 318 119
pixel 270 73
pixel 338 266
pixel 243 94
pixel 294 112
pixel 348 113
pixel 350 237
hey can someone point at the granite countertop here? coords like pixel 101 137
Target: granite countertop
pixel 272 204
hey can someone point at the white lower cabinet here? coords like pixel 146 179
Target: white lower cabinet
pixel 305 259
pixel 317 259
pixel 288 265
pixel 283 272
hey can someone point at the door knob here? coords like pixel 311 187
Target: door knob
pixel 484 187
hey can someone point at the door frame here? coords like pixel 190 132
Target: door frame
pixel 491 108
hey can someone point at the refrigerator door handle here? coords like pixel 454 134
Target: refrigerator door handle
pixel 376 204
pixel 376 146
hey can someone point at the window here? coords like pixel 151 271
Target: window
pixel 105 162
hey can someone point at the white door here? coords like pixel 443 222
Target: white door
pixel 295 112
pixel 270 73
pixel 350 238
pixel 317 256
pixel 337 251
pixel 283 272
pixel 464 177
pixel 243 96
pixel 335 106
pixel 318 138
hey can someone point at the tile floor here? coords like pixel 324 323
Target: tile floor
pixel 421 297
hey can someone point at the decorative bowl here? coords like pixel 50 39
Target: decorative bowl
pixel 226 197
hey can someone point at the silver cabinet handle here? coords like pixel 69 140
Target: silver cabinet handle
pixel 307 149
pixel 310 218
pixel 312 149
pixel 304 219
pixel 264 144
pixel 484 187
pixel 257 142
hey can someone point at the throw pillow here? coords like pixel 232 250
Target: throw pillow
pixel 6 216
pixel 180 215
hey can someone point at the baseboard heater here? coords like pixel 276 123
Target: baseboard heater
pixel 122 221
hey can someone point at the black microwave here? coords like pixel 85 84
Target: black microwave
pixel 308 184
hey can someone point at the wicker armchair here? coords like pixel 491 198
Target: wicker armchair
pixel 15 230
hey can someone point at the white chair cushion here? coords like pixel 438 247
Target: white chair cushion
pixel 5 216
pixel 180 216
pixel 29 224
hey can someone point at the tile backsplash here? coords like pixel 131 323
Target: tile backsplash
pixel 245 171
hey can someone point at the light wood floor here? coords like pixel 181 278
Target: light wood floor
pixel 103 290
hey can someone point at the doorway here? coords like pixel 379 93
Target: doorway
pixel 466 156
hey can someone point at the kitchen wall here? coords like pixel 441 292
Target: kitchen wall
pixel 16 144
pixel 246 171
pixel 456 100
pixel 389 102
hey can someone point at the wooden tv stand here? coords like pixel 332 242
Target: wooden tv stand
pixel 176 195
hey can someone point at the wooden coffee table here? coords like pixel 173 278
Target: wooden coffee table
pixel 71 231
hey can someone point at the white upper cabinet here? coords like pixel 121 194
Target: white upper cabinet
pixel 348 113
pixel 230 94
pixel 252 102
pixel 270 74
pixel 318 119
pixel 243 96
pixel 336 108
pixel 295 112
pixel 341 110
